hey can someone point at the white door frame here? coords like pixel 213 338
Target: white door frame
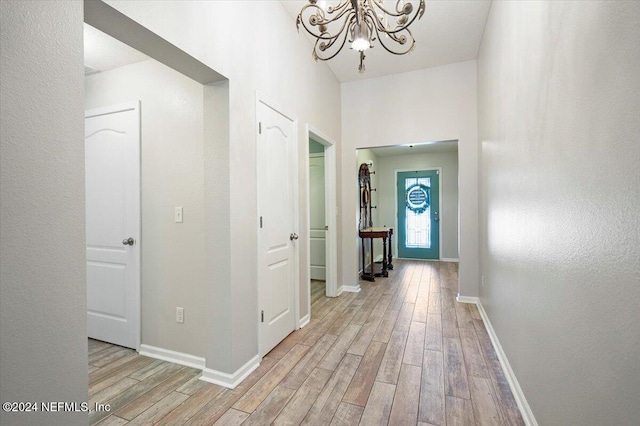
pixel 330 180
pixel 395 199
pixel 261 98
pixel 137 303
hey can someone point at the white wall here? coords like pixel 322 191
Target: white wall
pixel 43 352
pixel 558 102
pixel 448 161
pixel 173 262
pixel 272 58
pixel 435 104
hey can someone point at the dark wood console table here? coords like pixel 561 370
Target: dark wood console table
pixel 387 256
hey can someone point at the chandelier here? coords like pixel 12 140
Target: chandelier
pixel 362 22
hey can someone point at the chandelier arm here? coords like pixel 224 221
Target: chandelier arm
pixel 412 44
pixel 398 29
pixel 321 13
pixel 322 35
pixel 382 8
pixel 315 48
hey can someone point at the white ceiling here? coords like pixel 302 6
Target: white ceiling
pixel 103 52
pixel 449 32
pixel 415 149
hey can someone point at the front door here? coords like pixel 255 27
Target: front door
pixel 112 173
pixel 419 214
pixel 277 236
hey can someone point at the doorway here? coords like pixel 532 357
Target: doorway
pixel 112 164
pixel 418 198
pixel 321 208
pixel 278 247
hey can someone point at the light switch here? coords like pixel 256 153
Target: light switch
pixel 178 215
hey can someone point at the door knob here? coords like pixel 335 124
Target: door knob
pixel 128 241
pixel 293 236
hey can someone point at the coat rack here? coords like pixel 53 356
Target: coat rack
pixel 368 232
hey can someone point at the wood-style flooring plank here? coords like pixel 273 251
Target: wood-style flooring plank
pixel 158 393
pixel 455 372
pixel 403 323
pixel 192 405
pixel 403 350
pixel 378 407
pixel 432 389
pixel 483 402
pixel 506 402
pixel 364 336
pixel 433 333
pixel 329 399
pixel 254 396
pixel 335 354
pixel 160 409
pixel 103 352
pixel 459 412
pixel 338 326
pixel 434 303
pixel 149 370
pixel 360 387
pixel 135 391
pixel 123 355
pixel 472 355
pixel 383 333
pixel 96 385
pixel 413 351
pixel 298 407
pixel 232 417
pixel 308 363
pixel 222 402
pixel 404 410
pixel 113 421
pixel 392 360
pixel 347 415
pixel 269 409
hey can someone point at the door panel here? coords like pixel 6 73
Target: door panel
pixel 277 278
pixel 419 214
pixel 317 218
pixel 112 178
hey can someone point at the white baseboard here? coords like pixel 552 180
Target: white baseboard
pixel 230 380
pixel 172 356
pixel 523 405
pixel 467 299
pixel 304 320
pixel 450 259
pixel 351 288
pixel 378 258
pixel 339 291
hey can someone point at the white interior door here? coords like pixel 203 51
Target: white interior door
pixel 112 169
pixel 318 255
pixel 277 277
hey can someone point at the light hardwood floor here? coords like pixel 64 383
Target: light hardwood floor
pixel 402 351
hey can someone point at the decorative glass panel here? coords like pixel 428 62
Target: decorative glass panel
pixel 418 212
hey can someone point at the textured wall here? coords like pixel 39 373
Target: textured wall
pixel 435 104
pixel 173 260
pixel 558 105
pixel 273 59
pixel 43 352
pixel 387 179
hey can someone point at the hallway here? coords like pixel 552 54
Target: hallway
pixel 402 351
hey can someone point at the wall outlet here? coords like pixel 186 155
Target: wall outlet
pixel 482 281
pixel 178 215
pixel 180 315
